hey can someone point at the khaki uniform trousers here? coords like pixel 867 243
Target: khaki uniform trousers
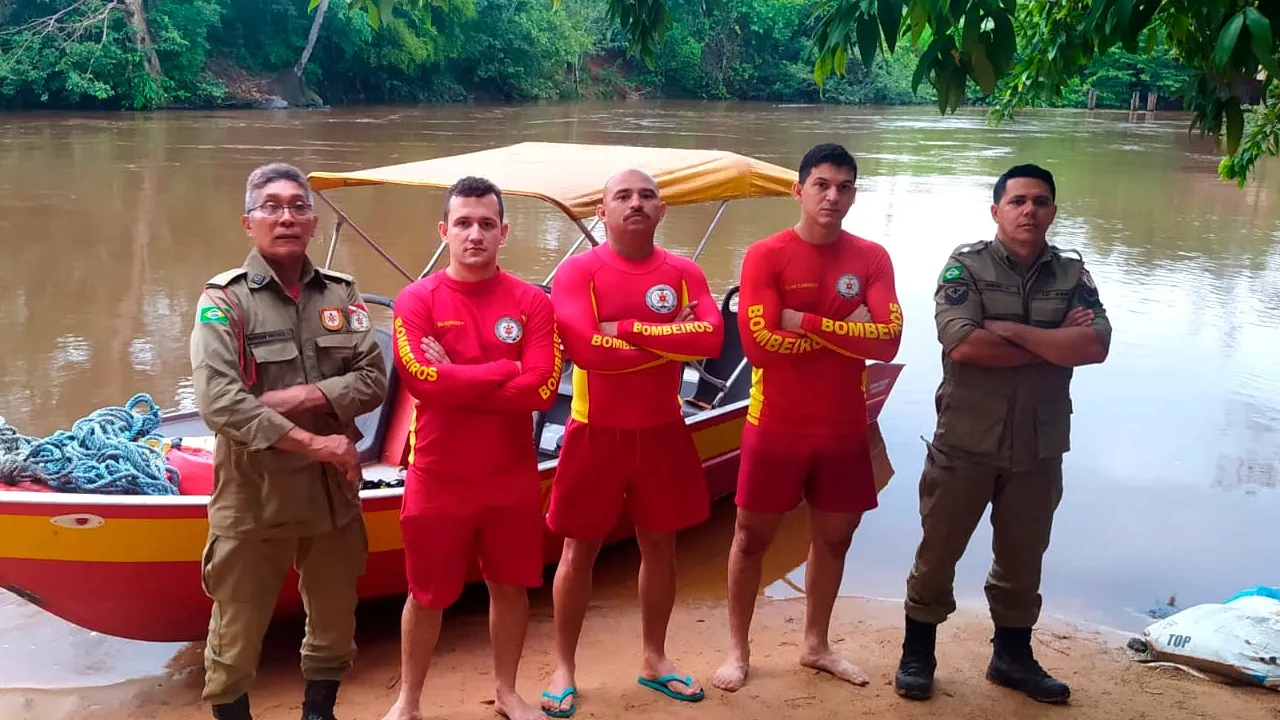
pixel 954 493
pixel 243 576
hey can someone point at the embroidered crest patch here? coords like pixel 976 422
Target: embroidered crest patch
pixel 508 330
pixel 661 298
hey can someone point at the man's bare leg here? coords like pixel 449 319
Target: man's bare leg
pixel 508 621
pixel 752 535
pixel 570 595
pixel 657 598
pixel 831 534
pixel 419 632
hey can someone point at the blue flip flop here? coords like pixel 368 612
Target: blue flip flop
pixel 661 686
pixel 562 713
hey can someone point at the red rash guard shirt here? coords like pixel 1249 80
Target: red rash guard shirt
pixel 474 415
pixel 633 380
pixel 814 381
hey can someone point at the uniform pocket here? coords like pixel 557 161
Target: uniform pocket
pixel 334 353
pixel 972 420
pixel 278 365
pixel 244 569
pixel 1049 310
pixel 1053 428
pixel 206 565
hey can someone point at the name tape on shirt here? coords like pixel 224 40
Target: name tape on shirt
pixel 773 342
pixel 698 326
pixel 407 360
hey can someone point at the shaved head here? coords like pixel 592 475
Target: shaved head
pixel 631 209
pixel 630 176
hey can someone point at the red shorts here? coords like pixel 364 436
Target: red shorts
pixel 655 473
pixel 777 468
pixel 445 525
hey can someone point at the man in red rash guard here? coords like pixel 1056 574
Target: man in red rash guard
pixel 478 349
pixel 817 303
pixel 630 314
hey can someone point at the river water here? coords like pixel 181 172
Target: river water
pixel 110 223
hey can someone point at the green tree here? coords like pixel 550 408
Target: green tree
pixel 1226 44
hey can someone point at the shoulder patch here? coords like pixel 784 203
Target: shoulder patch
pixel 226 278
pixel 951 273
pixel 335 275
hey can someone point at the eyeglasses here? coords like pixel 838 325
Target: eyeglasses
pixel 274 210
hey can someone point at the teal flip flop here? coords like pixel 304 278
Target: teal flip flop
pixel 661 686
pixel 573 708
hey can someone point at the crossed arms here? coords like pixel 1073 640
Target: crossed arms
pixel 772 333
pixel 628 345
pixel 229 407
pixel 1083 338
pixel 430 375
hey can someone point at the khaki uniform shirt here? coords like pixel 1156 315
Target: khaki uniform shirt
pixel 1009 417
pixel 245 318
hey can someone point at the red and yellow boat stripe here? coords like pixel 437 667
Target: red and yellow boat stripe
pixel 146 530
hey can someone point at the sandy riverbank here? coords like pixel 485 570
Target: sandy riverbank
pixel 1105 682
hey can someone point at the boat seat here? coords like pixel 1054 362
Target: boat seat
pixel 373 424
pixel 725 378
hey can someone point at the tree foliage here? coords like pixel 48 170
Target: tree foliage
pixel 1022 52
pixel 1007 54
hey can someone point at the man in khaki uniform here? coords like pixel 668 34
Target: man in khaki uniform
pixel 283 362
pixel 1015 315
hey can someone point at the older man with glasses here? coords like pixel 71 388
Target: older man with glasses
pixel 283 362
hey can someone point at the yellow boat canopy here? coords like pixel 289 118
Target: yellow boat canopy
pixel 572 176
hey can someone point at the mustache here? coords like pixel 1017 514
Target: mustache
pixel 636 213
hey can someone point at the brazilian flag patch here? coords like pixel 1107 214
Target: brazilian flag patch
pixel 952 273
pixel 212 314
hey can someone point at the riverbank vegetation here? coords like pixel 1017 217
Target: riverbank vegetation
pixel 1215 58
pixel 147 54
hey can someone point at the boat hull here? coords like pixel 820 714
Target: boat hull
pixel 130 566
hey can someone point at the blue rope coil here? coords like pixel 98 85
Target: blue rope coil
pixel 113 451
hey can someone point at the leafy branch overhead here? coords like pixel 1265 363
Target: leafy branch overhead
pixel 1021 53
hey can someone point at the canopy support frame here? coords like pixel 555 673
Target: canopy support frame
pixel 343 219
pixel 702 244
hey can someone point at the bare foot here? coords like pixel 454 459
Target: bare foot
pixel 402 711
pixel 732 675
pixel 511 705
pixel 829 662
pixel 561 686
pixel 655 669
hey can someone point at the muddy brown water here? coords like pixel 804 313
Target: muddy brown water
pixel 110 223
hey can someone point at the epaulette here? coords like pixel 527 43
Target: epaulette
pixel 224 279
pixel 1066 253
pixel 335 275
pixel 972 247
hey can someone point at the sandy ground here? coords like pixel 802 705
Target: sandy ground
pixel 1105 681
pixel 1106 684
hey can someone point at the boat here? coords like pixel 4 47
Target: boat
pixel 129 566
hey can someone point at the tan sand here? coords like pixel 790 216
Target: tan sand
pixel 1105 682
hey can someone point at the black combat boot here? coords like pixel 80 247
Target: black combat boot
pixel 1014 666
pixel 319 699
pixel 237 709
pixel 915 671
